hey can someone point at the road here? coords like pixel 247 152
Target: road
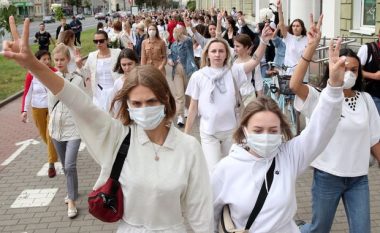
pixel 89 22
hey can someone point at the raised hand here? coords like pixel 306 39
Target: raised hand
pixel 279 5
pixel 336 64
pixel 267 33
pixel 18 49
pixel 314 33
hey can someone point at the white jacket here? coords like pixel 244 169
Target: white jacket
pixel 61 124
pixel 89 69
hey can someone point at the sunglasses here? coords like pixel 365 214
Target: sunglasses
pixel 99 41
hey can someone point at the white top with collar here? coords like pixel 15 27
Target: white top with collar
pixel 237 178
pixel 165 196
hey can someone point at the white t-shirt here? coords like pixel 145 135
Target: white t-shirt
pixel 348 152
pixel 72 66
pixel 116 87
pixel 294 49
pixel 363 54
pixel 248 88
pixel 219 115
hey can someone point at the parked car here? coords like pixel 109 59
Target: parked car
pixel 48 19
pixel 100 16
pixel 80 16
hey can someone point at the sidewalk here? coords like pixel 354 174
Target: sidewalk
pixel 27 172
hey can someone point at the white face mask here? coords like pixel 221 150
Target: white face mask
pixel 147 117
pixel 349 79
pixel 152 33
pixel 264 144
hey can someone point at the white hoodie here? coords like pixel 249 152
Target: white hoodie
pixel 237 178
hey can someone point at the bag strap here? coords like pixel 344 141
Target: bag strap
pixel 239 100
pixel 262 196
pixel 121 155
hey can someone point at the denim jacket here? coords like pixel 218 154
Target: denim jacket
pixel 280 51
pixel 183 52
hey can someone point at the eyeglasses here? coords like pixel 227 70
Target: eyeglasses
pixel 99 41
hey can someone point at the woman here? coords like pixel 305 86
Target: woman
pixel 128 37
pixel 263 138
pixel 35 94
pixel 230 32
pixel 126 61
pixel 63 130
pixel 164 172
pixel 153 50
pixel 242 48
pixel 341 170
pixel 295 41
pixel 213 97
pixel 115 36
pixel 68 38
pixel 181 59
pixel 98 67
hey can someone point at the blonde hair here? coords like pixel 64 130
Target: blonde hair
pixel 205 61
pixel 61 48
pixel 262 103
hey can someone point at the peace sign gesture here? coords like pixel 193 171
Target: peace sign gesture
pixel 18 49
pixel 314 33
pixel 336 64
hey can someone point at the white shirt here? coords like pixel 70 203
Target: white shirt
pixel 348 152
pixel 363 55
pixel 118 84
pixel 220 115
pixel 248 88
pixel 237 178
pixel 294 49
pixel 37 95
pixel 72 66
pixel 159 196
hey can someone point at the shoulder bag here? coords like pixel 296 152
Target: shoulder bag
pixel 226 225
pixel 106 202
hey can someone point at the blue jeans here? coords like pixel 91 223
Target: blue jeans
pixel 377 102
pixel 327 190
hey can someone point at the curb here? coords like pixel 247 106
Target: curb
pixel 11 98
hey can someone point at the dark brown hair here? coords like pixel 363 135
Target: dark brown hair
pixel 244 39
pixel 303 32
pixel 117 26
pixel 67 36
pixel 152 78
pixel 125 53
pixel 262 103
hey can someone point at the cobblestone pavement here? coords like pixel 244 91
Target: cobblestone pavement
pixel 24 173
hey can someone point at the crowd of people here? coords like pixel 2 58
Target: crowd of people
pixel 154 73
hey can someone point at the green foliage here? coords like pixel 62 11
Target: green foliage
pixel 58 11
pixel 191 5
pixel 4 18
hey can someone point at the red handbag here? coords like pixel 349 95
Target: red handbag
pixel 106 202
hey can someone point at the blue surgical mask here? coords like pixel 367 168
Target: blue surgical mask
pixel 147 117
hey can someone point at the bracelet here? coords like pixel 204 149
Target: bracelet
pixel 262 41
pixel 303 58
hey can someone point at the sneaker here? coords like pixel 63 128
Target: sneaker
pixel 72 213
pixel 180 121
pixel 52 172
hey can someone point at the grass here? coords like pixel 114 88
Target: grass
pixel 12 76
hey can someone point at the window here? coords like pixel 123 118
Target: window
pixel 368 13
pixel 363 21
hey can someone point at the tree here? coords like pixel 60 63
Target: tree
pixel 191 5
pixel 5 11
pixel 58 11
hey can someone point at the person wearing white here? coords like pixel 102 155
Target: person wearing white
pixel 248 91
pixel 68 38
pixel 340 170
pixel 212 92
pixel 164 172
pixel 264 135
pixel 295 40
pixel 98 68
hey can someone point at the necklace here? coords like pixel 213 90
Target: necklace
pixel 156 157
pixel 352 100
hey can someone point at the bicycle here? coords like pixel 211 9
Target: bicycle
pixel 279 87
